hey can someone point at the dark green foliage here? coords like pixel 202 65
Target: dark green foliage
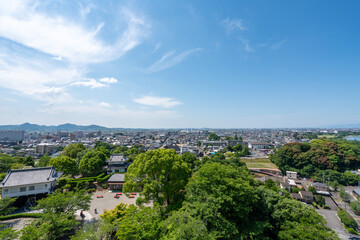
pixel 65 164
pixel 214 137
pixel 312 190
pixel 92 163
pixel 43 161
pixel 320 200
pixel 6 205
pixel 29 161
pixel 20 215
pixel 347 219
pixel 57 220
pixel 346 197
pixel 72 150
pixel 8 234
pixel 355 206
pixel 161 174
pixel 320 156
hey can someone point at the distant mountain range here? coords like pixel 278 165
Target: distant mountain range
pixel 28 127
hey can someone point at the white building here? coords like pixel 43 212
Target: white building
pixel 43 148
pixel 32 181
pixel 259 145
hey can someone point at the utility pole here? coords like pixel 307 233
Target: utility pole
pixel 323 177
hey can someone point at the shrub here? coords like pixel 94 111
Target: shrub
pixel 315 205
pixel 320 200
pixel 355 206
pixel 347 219
pixel 351 230
pixel 20 215
pixel 326 207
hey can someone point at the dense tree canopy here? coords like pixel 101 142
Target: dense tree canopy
pixel 66 164
pixel 92 162
pixel 161 175
pixel 320 155
pixel 73 149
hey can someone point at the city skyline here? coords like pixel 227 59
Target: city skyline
pixel 132 64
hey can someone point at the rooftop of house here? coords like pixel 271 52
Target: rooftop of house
pixel 119 177
pixel 21 177
pixel 319 184
pixel 306 193
pixel 118 158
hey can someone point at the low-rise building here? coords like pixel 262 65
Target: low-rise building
pixel 116 181
pixel 117 163
pixel 306 196
pixel 32 181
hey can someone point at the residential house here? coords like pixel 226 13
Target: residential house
pixel 306 196
pixel 32 181
pixel 319 186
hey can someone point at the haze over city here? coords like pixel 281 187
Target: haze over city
pixel 179 64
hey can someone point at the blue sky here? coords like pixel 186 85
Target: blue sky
pixel 221 64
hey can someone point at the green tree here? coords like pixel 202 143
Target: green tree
pixel 346 197
pixel 8 234
pixel 58 219
pixel 92 163
pixel 140 223
pixel 191 160
pixel 72 150
pixel 66 164
pixel 355 206
pixel 43 161
pixel 161 175
pixel 222 197
pixel 214 137
pixel 238 147
pixel 320 200
pixel 104 150
pixel 29 161
pixel 6 205
pixel 182 225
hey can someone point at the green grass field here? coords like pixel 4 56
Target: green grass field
pixel 259 163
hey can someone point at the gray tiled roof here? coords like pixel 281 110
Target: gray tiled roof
pixel 117 158
pixel 119 177
pixel 29 176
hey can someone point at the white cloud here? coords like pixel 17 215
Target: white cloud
pixel 108 80
pixel 105 104
pixel 163 102
pixel 170 59
pixel 246 45
pixel 28 36
pixel 233 24
pixel 92 83
pixel 59 36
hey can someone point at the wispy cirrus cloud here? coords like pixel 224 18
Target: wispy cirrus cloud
pixel 164 102
pixel 171 59
pixel 233 24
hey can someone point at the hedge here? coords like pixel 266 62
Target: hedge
pixel 347 219
pixel 20 215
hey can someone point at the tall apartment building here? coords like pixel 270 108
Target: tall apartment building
pixel 12 135
pixel 43 148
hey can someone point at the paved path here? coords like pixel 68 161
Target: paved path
pixel 333 222
pixel 108 202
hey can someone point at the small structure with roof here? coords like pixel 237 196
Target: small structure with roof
pixel 32 181
pixel 306 196
pixel 116 181
pixel 117 163
pixel 319 186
